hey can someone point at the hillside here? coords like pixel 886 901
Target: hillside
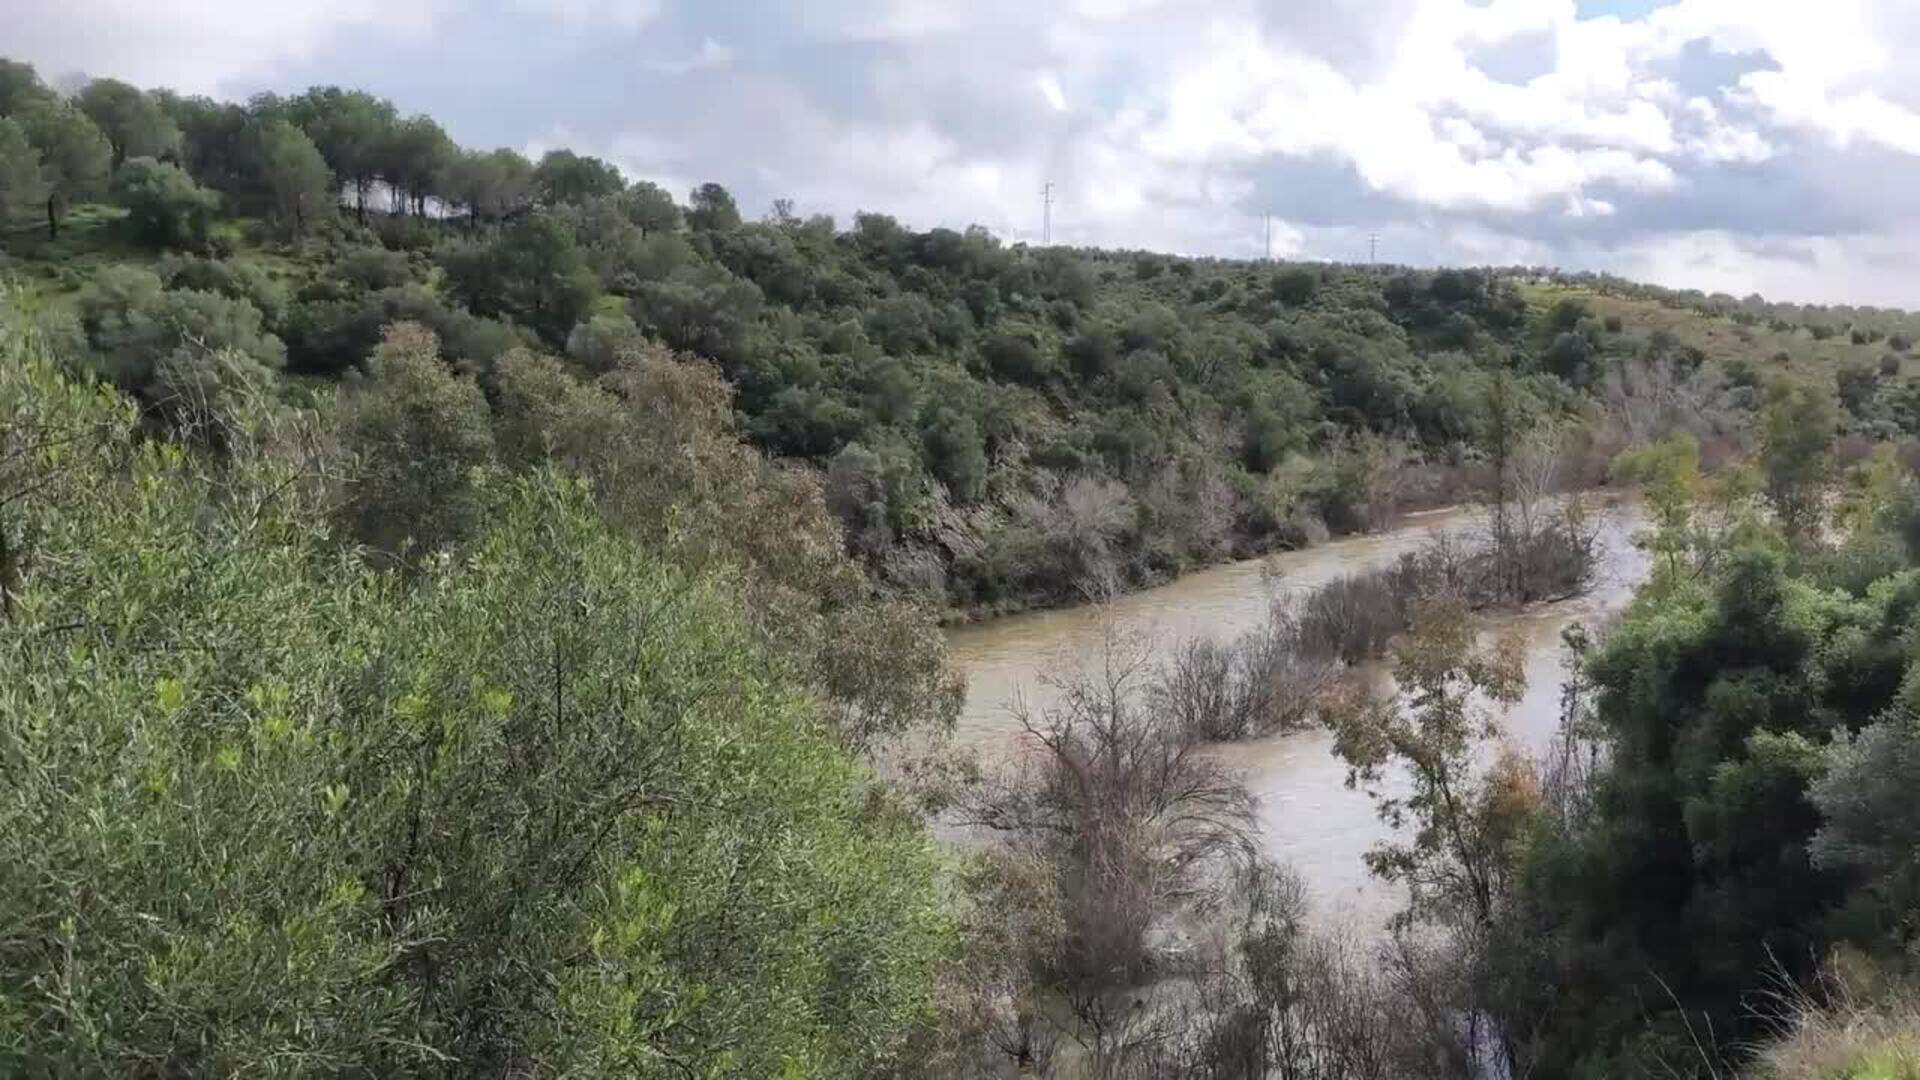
pixel 1816 343
pixel 995 426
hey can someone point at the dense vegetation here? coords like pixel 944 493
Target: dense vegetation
pixel 998 426
pixel 471 616
pixel 1752 715
pixel 274 810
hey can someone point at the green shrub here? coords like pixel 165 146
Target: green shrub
pixel 548 808
pixel 165 208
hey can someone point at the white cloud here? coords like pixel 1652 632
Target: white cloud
pixel 1245 98
pixel 195 46
pixel 1049 88
pixel 710 56
pixel 1878 269
pixel 1179 106
pixel 585 15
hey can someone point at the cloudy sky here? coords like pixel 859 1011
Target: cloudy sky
pixel 1739 145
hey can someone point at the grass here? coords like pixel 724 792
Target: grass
pixel 1849 1047
pixel 50 271
pixel 1863 1028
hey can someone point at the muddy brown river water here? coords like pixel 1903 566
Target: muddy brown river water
pixel 1309 819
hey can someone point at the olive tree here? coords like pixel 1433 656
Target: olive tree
pixel 22 188
pixel 74 157
pixel 417 433
pixel 165 208
pixel 133 122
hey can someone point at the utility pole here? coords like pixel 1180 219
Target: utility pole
pixel 1373 249
pixel 1046 215
pixel 1269 237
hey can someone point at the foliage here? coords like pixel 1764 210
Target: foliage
pixel 132 324
pixel 488 819
pixel 20 86
pixel 1797 431
pixel 296 177
pixel 75 157
pixel 491 712
pixel 1869 821
pixel 566 177
pixel 133 122
pixel 1465 826
pixel 996 375
pixel 532 272
pixel 165 208
pixel 417 433
pixel 22 187
pixel 1694 875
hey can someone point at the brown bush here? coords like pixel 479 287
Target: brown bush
pixel 1260 683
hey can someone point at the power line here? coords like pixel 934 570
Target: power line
pixel 1373 249
pixel 1046 214
pixel 1269 237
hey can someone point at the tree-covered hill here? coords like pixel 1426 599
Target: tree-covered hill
pixel 997 425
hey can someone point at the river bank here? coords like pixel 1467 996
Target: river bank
pixel 955 617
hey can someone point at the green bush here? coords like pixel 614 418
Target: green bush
pixel 132 324
pixel 548 808
pixel 165 208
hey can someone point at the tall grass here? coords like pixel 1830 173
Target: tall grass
pixel 1849 1026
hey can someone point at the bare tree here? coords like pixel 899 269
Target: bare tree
pixel 1140 828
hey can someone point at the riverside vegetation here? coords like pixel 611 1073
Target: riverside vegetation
pixel 470 617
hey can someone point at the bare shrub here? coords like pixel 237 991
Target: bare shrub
pixel 1289 1003
pixel 1542 544
pixel 1363 483
pixel 1645 400
pixel 1067 530
pixel 1259 683
pixel 1551 557
pixel 1548 554
pixel 1351 619
pixel 1137 822
pixel 1288 680
pixel 1189 509
pixel 1198 689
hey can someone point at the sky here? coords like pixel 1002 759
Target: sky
pixel 1725 145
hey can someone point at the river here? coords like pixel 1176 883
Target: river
pixel 1308 818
